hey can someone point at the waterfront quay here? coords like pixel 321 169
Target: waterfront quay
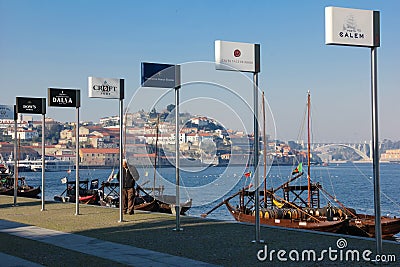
pixel 58 237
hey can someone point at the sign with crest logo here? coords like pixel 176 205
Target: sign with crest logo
pixel 64 97
pixel 31 105
pixel 355 27
pixel 106 88
pixel 237 56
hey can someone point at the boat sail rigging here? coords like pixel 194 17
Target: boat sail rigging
pixel 304 213
pixel 275 210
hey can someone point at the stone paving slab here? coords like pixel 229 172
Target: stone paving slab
pixel 124 254
pixel 11 261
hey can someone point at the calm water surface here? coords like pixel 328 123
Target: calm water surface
pixel 350 183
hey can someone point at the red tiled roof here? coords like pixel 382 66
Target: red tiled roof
pixel 100 150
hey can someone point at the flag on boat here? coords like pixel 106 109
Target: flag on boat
pixel 277 203
pixel 112 176
pixel 247 174
pixel 69 171
pixel 64 180
pixel 298 169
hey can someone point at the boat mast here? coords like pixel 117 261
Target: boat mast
pixel 265 151
pixel 308 149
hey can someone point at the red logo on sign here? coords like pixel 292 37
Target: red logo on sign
pixel 237 53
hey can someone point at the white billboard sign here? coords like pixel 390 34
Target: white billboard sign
pixel 106 87
pixel 355 27
pixel 237 56
pixel 6 112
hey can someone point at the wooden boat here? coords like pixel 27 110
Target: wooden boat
pixel 7 180
pixel 359 224
pixel 167 203
pixel 23 190
pixel 109 197
pixel 147 198
pixel 7 184
pixel 87 195
pixel 285 218
pixel 364 225
pixel 281 211
pixel 290 216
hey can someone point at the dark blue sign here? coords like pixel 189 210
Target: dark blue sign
pixel 160 75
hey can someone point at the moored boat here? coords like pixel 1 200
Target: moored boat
pixel 109 196
pixel 293 210
pixel 289 218
pixel 87 195
pixel 23 189
pixel 364 225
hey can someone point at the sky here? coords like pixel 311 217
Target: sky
pixel 60 43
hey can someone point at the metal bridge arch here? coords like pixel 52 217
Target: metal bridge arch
pixel 359 152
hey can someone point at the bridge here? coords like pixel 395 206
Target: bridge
pixel 362 149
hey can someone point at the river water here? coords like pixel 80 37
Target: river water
pixel 350 183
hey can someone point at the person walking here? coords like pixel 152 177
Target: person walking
pixel 128 191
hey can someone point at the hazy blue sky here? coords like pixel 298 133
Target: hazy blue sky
pixel 60 43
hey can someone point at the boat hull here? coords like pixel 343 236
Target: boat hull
pixel 167 204
pixel 88 199
pixel 109 196
pixel 29 192
pixel 324 226
pixel 364 225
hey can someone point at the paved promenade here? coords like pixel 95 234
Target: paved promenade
pixel 127 255
pixel 58 237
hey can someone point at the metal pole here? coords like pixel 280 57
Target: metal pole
pixel 265 150
pixel 77 163
pixel 177 201
pixel 121 180
pixel 43 160
pixel 375 151
pixel 15 159
pixel 255 159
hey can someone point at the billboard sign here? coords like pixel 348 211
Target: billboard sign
pixel 237 56
pixel 64 97
pixel 160 75
pixel 31 105
pixel 354 27
pixel 106 88
pixel 6 112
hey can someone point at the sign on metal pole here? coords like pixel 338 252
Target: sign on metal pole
pixel 106 88
pixel 236 56
pixel 6 112
pixel 31 105
pixel 112 88
pixel 244 57
pixel 160 75
pixel 167 76
pixel 59 97
pixel 35 106
pixel 356 27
